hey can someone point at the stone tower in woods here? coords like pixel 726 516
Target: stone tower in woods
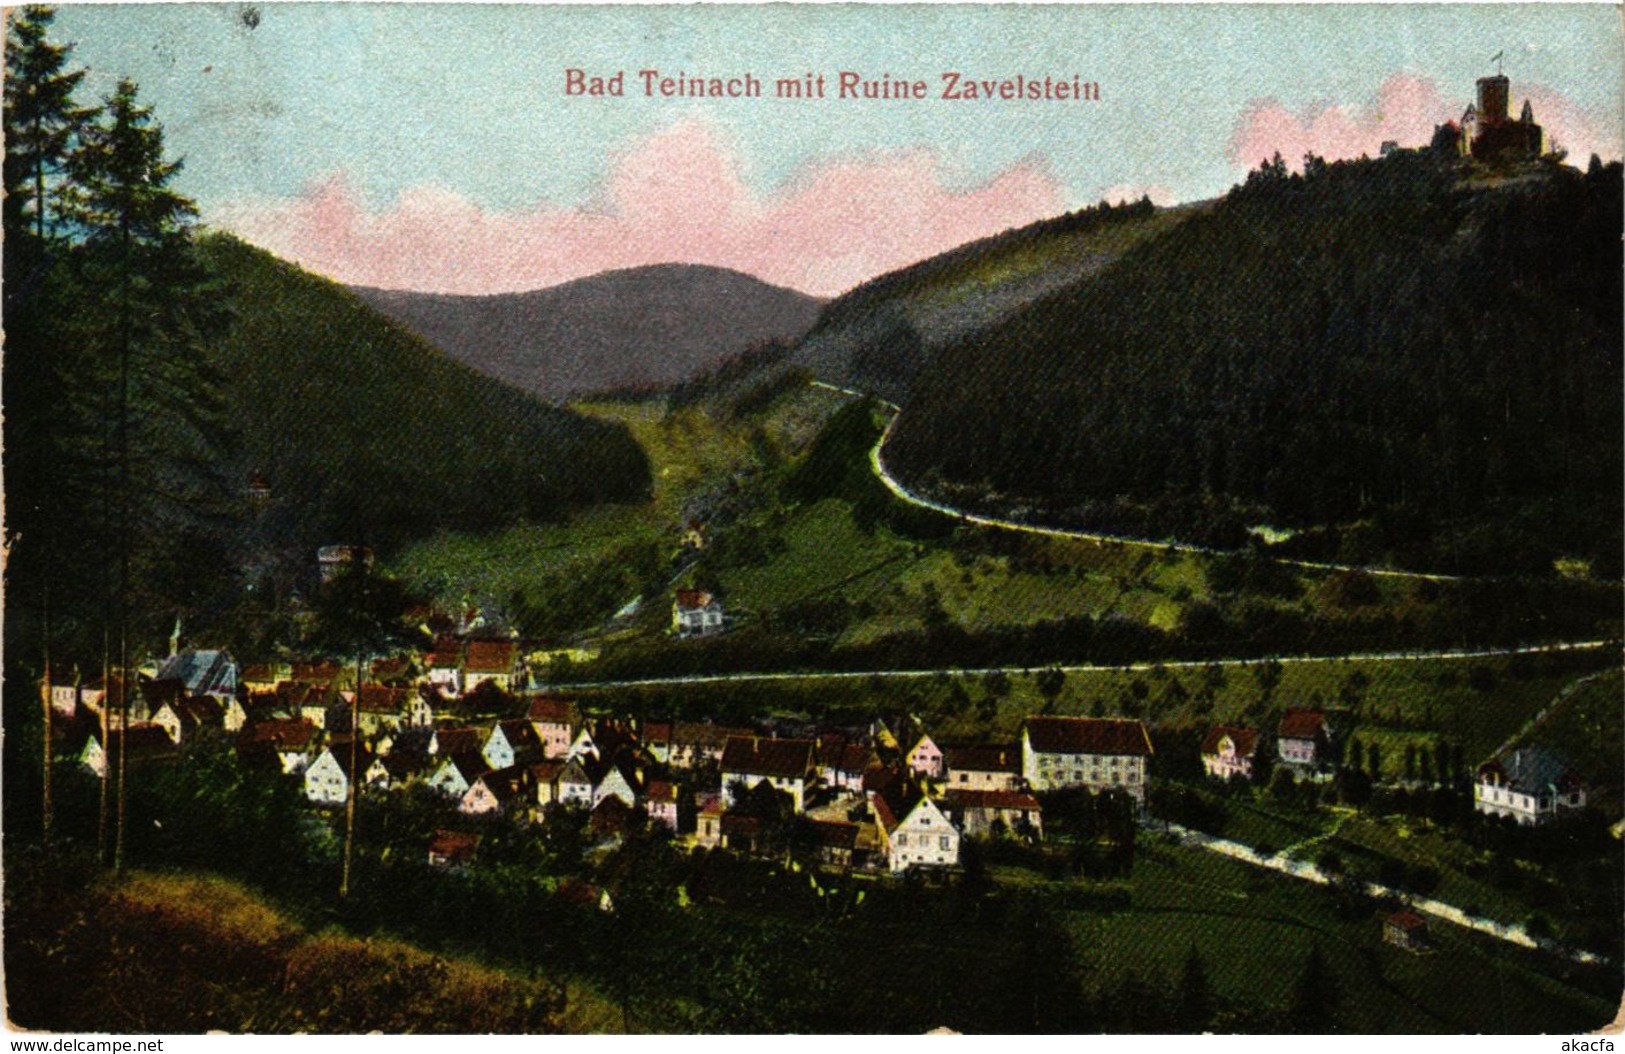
pixel 1487 131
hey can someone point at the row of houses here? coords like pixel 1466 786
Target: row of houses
pixel 1531 785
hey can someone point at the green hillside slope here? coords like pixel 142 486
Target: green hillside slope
pixel 879 336
pixel 367 434
pixel 1404 362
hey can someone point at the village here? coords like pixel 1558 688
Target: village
pixel 467 721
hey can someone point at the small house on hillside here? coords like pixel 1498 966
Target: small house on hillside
pixel 696 613
pixel 1227 752
pixel 916 832
pixel 1532 785
pixel 1407 930
pixel 1304 739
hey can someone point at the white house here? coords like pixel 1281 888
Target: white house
pixel 1304 739
pixel 1532 785
pixel 181 719
pixel 497 793
pixel 575 784
pixel 326 781
pixel 981 812
pixel 511 742
pixel 788 764
pixel 661 802
pixel 1098 753
pixel 920 836
pixel 496 661
pixel 455 773
pixel 696 613
pixel 620 781
pixel 1228 751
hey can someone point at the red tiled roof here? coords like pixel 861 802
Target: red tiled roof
pixel 1089 735
pixel 657 731
pixel 553 709
pixel 294 734
pixel 855 757
pixel 753 755
pixel 836 834
pixel 981 757
pixel 546 772
pixel 145 742
pixel 1406 920
pixel 454 845
pixel 491 656
pixel 459 740
pixel 381 699
pixel 705 735
pixel 662 791
pixel 1245 739
pixel 507 784
pixel 690 599
pixel 992 799
pixel 1298 723
pixel 323 671
pixel 447 653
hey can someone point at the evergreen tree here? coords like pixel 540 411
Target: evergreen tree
pixel 1314 997
pixel 41 122
pixel 1197 1001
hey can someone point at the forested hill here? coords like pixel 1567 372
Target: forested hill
pixel 879 336
pixel 1404 361
pixel 366 433
pixel 641 327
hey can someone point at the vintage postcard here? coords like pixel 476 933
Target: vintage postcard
pixel 813 519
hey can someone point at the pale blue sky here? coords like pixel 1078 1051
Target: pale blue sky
pixel 470 98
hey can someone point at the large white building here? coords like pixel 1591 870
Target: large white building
pixel 1099 753
pixel 1532 785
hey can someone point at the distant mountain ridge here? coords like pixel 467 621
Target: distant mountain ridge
pixel 640 327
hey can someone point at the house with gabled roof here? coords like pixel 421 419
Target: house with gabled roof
pixel 327 780
pixel 789 765
pixel 696 613
pixel 1532 785
pixel 555 720
pixel 143 744
pixel 466 740
pixel 181 719
pixel 693 744
pixel 381 708
pixel 455 773
pixel 980 813
pixel 916 832
pixel 291 740
pixel 1228 751
pixel 842 771
pixel 511 742
pixel 263 676
pixel 1304 739
pixel 496 661
pixel 983 767
pixel 924 757
pixel 656 738
pixel 395 770
pixel 837 841
pixel 443 665
pixel 452 849
pixel 544 779
pixel 622 779
pixel 498 792
pixel 1097 753
pixel 576 783
pixel 660 799
pixel 1408 930
pixel 210 671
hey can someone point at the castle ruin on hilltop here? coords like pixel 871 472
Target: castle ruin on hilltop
pixel 1486 131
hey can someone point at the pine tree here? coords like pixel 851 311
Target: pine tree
pixel 1197 1002
pixel 41 123
pixel 1314 996
pixel 148 325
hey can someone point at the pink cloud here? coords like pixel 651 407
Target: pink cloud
pixel 677 196
pixel 1406 109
